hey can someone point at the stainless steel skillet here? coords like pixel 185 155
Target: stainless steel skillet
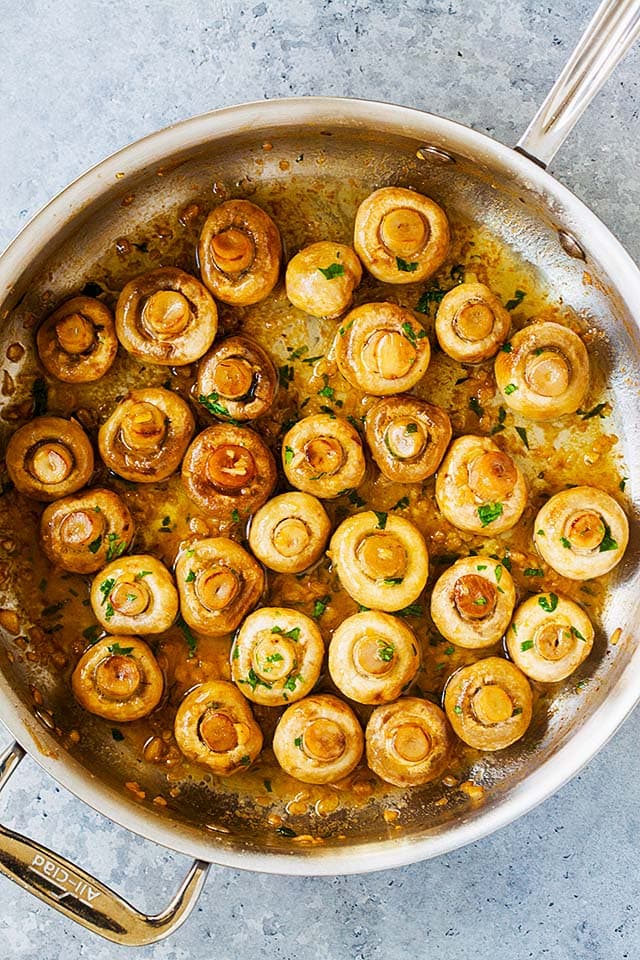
pixel 520 204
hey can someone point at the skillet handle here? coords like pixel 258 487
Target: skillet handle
pixel 614 28
pixel 80 896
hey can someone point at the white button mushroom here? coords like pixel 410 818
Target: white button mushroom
pixel 407 437
pixel 472 602
pixel 48 458
pixel 135 594
pixel 318 740
pixel 581 532
pixel 118 678
pixel 409 742
pixel 373 657
pixel 289 533
pixel 489 703
pixel 479 488
pixel 77 343
pixel 381 560
pixel 543 371
pixel 322 455
pixel 321 278
pixel 236 380
pixel 400 235
pixel 83 532
pixel 549 637
pixel 471 323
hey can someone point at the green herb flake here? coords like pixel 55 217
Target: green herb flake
pixel 480 602
pixel 577 634
pixel 533 572
pixel 522 433
pixel 356 499
pixel 594 412
pixel 212 403
pixel 267 786
pixel 141 574
pixel 95 545
pixel 106 587
pixel 481 566
pixel 607 543
pixel 332 271
pixel 526 645
pixel 346 327
pixel 274 658
pixel 298 352
pixel 474 405
pixel 509 389
pixel 498 573
pixel 434 295
pixel 288 455
pixel 320 606
pixel 457 710
pixel 413 610
pixel 623 484
pixel 285 376
pixel 293 634
pixel 115 548
pixel 118 651
pixel 298 743
pixel 286 832
pixel 449 650
pixel 117 735
pixel 91 633
pixel 405 266
pixel 311 360
pixel 385 651
pixel 506 347
pixel 235 516
pixel 540 533
pixel 514 628
pixel 401 504
pixel 290 682
pixel 412 428
pixel 516 711
pixel 190 577
pixel 548 602
pixel 166 521
pixel 192 643
pixel 488 512
pixel 382 519
pixel 245 761
pixel 565 543
pixel 253 680
pixel 518 297
pixel 392 581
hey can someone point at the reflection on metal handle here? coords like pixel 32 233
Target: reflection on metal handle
pixel 612 31
pixel 80 896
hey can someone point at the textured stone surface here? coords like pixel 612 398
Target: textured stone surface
pixel 79 79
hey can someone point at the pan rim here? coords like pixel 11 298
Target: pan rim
pixel 580 746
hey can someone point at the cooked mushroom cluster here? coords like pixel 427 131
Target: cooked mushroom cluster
pixel 244 561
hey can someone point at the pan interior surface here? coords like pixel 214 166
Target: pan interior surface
pixel 311 176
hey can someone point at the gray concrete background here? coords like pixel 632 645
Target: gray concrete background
pixel 81 78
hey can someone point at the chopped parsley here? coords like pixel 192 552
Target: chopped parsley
pixel 576 633
pixel 449 650
pixel 405 266
pixel 518 297
pixel 190 577
pixel 509 389
pixel 91 633
pixel 245 760
pixel 594 412
pixel 117 735
pixel 356 500
pixel 285 376
pixel 211 402
pixel 385 651
pixel 474 405
pixel 412 428
pixel 401 504
pixel 235 516
pixel 298 743
pixel 488 512
pixel 623 484
pixel 413 610
pixel 534 572
pixel 457 710
pixel 95 545
pixel 144 573
pixel 267 786
pixel 192 643
pixel 506 347
pixel 326 390
pixel 286 832
pixel 253 681
pixel 288 455
pixel 607 543
pixel 392 581
pixel 119 651
pixel 411 334
pixel 548 602
pixel 526 645
pixel 106 587
pixel 429 297
pixel 274 658
pixel 115 548
pixel 320 606
pixel 516 711
pixel 565 543
pixel 293 634
pixel 480 602
pixel 382 519
pixel 332 271
pixel 290 682
pixel 311 360
pixel 522 433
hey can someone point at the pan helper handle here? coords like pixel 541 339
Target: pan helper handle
pixel 612 31
pixel 80 896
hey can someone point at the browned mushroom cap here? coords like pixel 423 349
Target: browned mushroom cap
pixel 373 657
pixel 214 726
pixel 289 533
pixel 135 593
pixel 49 458
pixel 118 678
pixel 322 455
pixel 472 602
pixel 582 532
pixel 407 437
pixel 400 235
pixel 218 583
pixel 550 637
pixel 479 488
pixel 236 380
pixel 545 373
pixel 240 252
pixel 489 703
pixel 166 316
pixel 146 436
pixel 82 533
pixel 228 468
pixel 471 323
pixel 321 278
pixel 382 349
pixel 409 742
pixel 318 740
pixel 277 656
pixel 77 343
pixel 381 559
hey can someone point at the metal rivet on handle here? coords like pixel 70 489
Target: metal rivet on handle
pixel 570 245
pixel 430 152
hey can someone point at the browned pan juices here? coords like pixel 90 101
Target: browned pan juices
pixel 55 619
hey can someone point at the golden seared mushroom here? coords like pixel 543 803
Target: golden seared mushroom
pixel 118 678
pixel 276 656
pixel 322 455
pixel 381 560
pixel 135 593
pixel 49 458
pixel 83 532
pixel 289 533
pixel 145 438
pixel 218 583
pixel 489 703
pixel 373 657
pixel 549 637
pixel 236 380
pixel 228 468
pixel 582 533
pixel 400 235
pixel 472 602
pixel 240 252
pixel 321 278
pixel 382 349
pixel 77 343
pixel 409 742
pixel 318 740
pixel 407 437
pixel 471 323
pixel 543 371
pixel 479 488
pixel 166 316
pixel 214 726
